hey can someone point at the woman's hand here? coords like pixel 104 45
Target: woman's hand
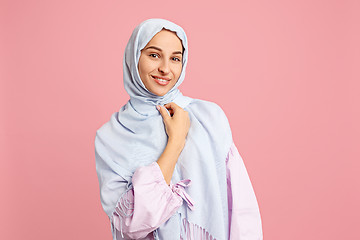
pixel 177 125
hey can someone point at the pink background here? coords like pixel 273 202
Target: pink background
pixel 286 73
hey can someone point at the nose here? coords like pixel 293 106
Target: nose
pixel 164 67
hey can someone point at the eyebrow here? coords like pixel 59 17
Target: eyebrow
pixel 159 49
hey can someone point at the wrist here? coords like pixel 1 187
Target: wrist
pixel 176 143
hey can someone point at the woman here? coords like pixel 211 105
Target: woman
pixel 166 163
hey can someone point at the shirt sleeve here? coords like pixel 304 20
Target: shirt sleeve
pixel 148 204
pixel 244 215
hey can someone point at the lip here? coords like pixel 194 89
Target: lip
pixel 161 83
pixel 167 79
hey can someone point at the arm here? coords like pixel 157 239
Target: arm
pixel 151 201
pixel 127 197
pixel 244 214
pixel 147 205
pixel 168 159
pixel 177 126
pixel 148 201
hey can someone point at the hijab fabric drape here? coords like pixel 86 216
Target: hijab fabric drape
pixel 135 136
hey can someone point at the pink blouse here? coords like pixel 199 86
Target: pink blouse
pixel 151 202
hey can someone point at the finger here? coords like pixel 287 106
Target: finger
pixel 173 106
pixel 163 112
pixel 170 108
pixel 171 111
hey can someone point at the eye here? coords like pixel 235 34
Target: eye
pixel 153 55
pixel 176 59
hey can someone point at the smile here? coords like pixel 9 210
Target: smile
pixel 161 81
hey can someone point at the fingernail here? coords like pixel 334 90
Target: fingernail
pixel 158 107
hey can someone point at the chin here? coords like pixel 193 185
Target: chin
pixel 159 93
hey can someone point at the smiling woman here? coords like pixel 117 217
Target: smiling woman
pixel 159 65
pixel 166 163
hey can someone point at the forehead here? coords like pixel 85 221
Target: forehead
pixel 166 39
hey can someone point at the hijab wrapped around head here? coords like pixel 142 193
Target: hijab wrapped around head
pixel 135 136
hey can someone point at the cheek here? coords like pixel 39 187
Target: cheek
pixel 143 64
pixel 178 71
pixel 146 66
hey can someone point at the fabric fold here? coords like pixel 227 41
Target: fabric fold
pixel 179 189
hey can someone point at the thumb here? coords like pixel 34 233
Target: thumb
pixel 163 112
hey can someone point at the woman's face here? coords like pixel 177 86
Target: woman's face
pixel 160 62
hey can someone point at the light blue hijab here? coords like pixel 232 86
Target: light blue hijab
pixel 135 136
